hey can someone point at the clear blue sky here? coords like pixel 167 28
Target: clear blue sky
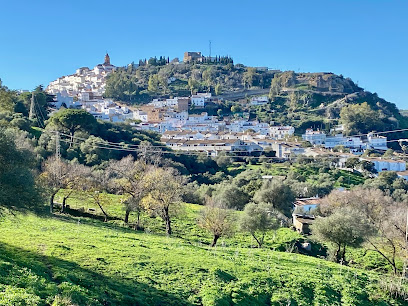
pixel 365 40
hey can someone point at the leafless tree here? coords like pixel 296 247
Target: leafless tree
pixel 128 178
pixel 59 174
pixel 217 219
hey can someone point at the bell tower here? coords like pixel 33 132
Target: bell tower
pixel 107 59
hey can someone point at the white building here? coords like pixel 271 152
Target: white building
pixel 387 164
pixel 140 115
pixel 198 101
pixel 63 99
pixel 256 101
pixel 314 137
pixel 280 132
pixel 377 142
pixel 212 147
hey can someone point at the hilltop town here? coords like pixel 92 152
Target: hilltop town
pixel 197 121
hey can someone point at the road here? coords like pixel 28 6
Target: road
pixel 243 94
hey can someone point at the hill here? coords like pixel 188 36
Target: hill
pixel 302 100
pixel 64 260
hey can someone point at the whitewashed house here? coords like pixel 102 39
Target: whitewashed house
pixel 387 164
pixel 377 142
pixel 280 132
pixel 314 137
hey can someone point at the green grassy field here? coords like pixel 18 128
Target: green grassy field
pixel 62 260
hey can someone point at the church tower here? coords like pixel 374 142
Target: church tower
pixel 107 60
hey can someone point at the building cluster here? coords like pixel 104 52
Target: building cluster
pixel 201 132
pixel 354 143
pixel 83 80
pixel 241 143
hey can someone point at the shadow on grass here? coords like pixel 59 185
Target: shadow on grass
pixel 48 276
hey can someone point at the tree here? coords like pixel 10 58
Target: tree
pixel 18 189
pixel 360 118
pixel 164 187
pixel 367 165
pixel 218 89
pixel 278 195
pixel 257 220
pixel 249 77
pixel 72 120
pixel 128 178
pixel 96 186
pixel 344 228
pixel 231 195
pixel 275 87
pixel 193 85
pixel 235 108
pixel 74 181
pixel 384 216
pixel 153 84
pixel 208 76
pixel 8 98
pixel 352 162
pixel 53 177
pixel 59 174
pixel 217 219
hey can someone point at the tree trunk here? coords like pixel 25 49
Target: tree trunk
pixel 52 201
pixel 64 201
pixel 127 216
pixel 343 255
pixel 167 220
pixel 259 241
pixel 337 255
pixel 215 239
pixel 138 220
pixel 103 211
pixel 168 226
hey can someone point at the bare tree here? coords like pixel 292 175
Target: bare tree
pixel 59 174
pixel 217 219
pixel 75 181
pixel 96 185
pixel 128 178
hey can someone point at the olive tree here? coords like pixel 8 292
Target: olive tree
pixel 278 195
pixel 257 219
pixel 164 191
pixel 386 217
pixel 344 228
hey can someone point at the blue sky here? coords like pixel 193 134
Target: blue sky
pixel 365 40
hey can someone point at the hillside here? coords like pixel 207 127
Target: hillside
pixel 63 260
pixel 135 84
pixel 302 100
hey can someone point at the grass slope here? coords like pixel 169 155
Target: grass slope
pixel 62 260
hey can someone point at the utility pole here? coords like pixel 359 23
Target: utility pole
pixel 210 50
pixel 58 155
pixel 31 115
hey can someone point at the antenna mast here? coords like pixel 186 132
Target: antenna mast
pixel 210 49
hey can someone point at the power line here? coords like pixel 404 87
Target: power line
pixel 133 148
